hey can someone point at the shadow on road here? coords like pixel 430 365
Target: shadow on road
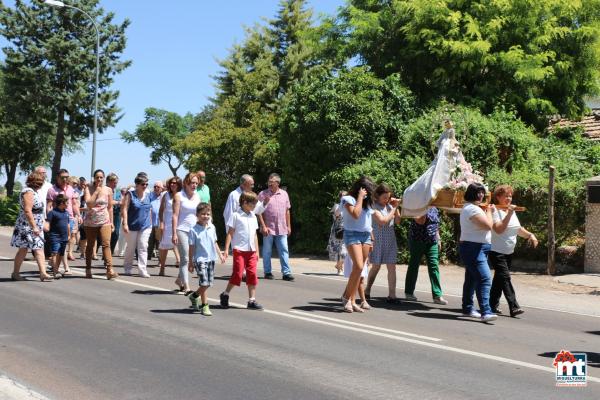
pixel 174 311
pixel 151 292
pixel 435 315
pixel 593 359
pixel 380 302
pixel 334 307
pixel 594 332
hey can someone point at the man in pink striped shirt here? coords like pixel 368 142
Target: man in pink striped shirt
pixel 275 226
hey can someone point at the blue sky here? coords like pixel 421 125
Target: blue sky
pixel 174 47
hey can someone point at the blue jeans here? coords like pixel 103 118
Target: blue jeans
pixel 282 249
pixel 478 277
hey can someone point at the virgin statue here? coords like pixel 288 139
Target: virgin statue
pixel 423 191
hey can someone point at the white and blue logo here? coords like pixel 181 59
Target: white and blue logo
pixel 571 368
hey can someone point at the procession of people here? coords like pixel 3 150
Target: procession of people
pixel 137 222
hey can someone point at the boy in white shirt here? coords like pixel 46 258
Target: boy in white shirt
pixel 242 236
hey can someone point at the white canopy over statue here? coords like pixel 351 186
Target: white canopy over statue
pixel 423 191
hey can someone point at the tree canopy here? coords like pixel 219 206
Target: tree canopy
pixel 160 131
pixel 536 57
pixel 56 50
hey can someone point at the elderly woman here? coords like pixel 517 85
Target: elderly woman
pixel 28 233
pixel 137 225
pixel 475 238
pixel 504 239
pixel 98 222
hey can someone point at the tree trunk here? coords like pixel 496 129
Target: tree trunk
pixel 11 172
pixel 58 145
pixel 171 167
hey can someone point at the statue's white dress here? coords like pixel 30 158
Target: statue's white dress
pixel 419 195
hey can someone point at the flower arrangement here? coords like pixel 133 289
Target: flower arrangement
pixel 463 175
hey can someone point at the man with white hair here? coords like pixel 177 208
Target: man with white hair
pixel 275 225
pixel 233 200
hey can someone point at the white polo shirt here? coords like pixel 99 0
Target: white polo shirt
pixel 245 226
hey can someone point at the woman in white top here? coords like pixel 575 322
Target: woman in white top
pixel 184 219
pixel 165 217
pixel 474 246
pixel 504 239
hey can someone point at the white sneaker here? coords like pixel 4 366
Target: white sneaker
pixel 144 275
pixel 410 297
pixel 440 300
pixel 489 317
pixel 472 314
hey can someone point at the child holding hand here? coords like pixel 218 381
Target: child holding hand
pixel 203 251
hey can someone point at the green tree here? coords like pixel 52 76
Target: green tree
pixel 292 50
pixel 22 119
pixel 330 121
pixel 238 132
pixel 538 57
pixel 160 131
pixel 58 48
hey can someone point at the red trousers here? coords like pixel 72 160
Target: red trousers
pixel 244 260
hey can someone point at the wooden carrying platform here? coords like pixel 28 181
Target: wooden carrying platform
pixel 453 200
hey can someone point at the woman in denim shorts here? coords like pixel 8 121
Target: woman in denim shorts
pixel 357 212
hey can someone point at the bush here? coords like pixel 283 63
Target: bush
pixel 9 210
pixel 499 145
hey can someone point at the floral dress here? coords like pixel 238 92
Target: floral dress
pixel 23 236
pixel 336 247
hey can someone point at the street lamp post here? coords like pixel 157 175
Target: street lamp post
pixel 60 4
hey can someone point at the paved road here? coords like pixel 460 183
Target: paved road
pixel 136 339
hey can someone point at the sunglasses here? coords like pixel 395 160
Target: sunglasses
pixel 143 184
pixel 64 177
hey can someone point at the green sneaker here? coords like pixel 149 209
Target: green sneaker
pixel 206 310
pixel 195 301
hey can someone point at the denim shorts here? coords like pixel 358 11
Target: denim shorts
pixel 356 237
pixel 206 272
pixel 58 246
pixel 72 224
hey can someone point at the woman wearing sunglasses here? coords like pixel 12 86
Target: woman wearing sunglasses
pixel 137 225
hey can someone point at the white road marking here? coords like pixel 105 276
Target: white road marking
pixel 11 389
pixel 341 321
pixel 370 332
